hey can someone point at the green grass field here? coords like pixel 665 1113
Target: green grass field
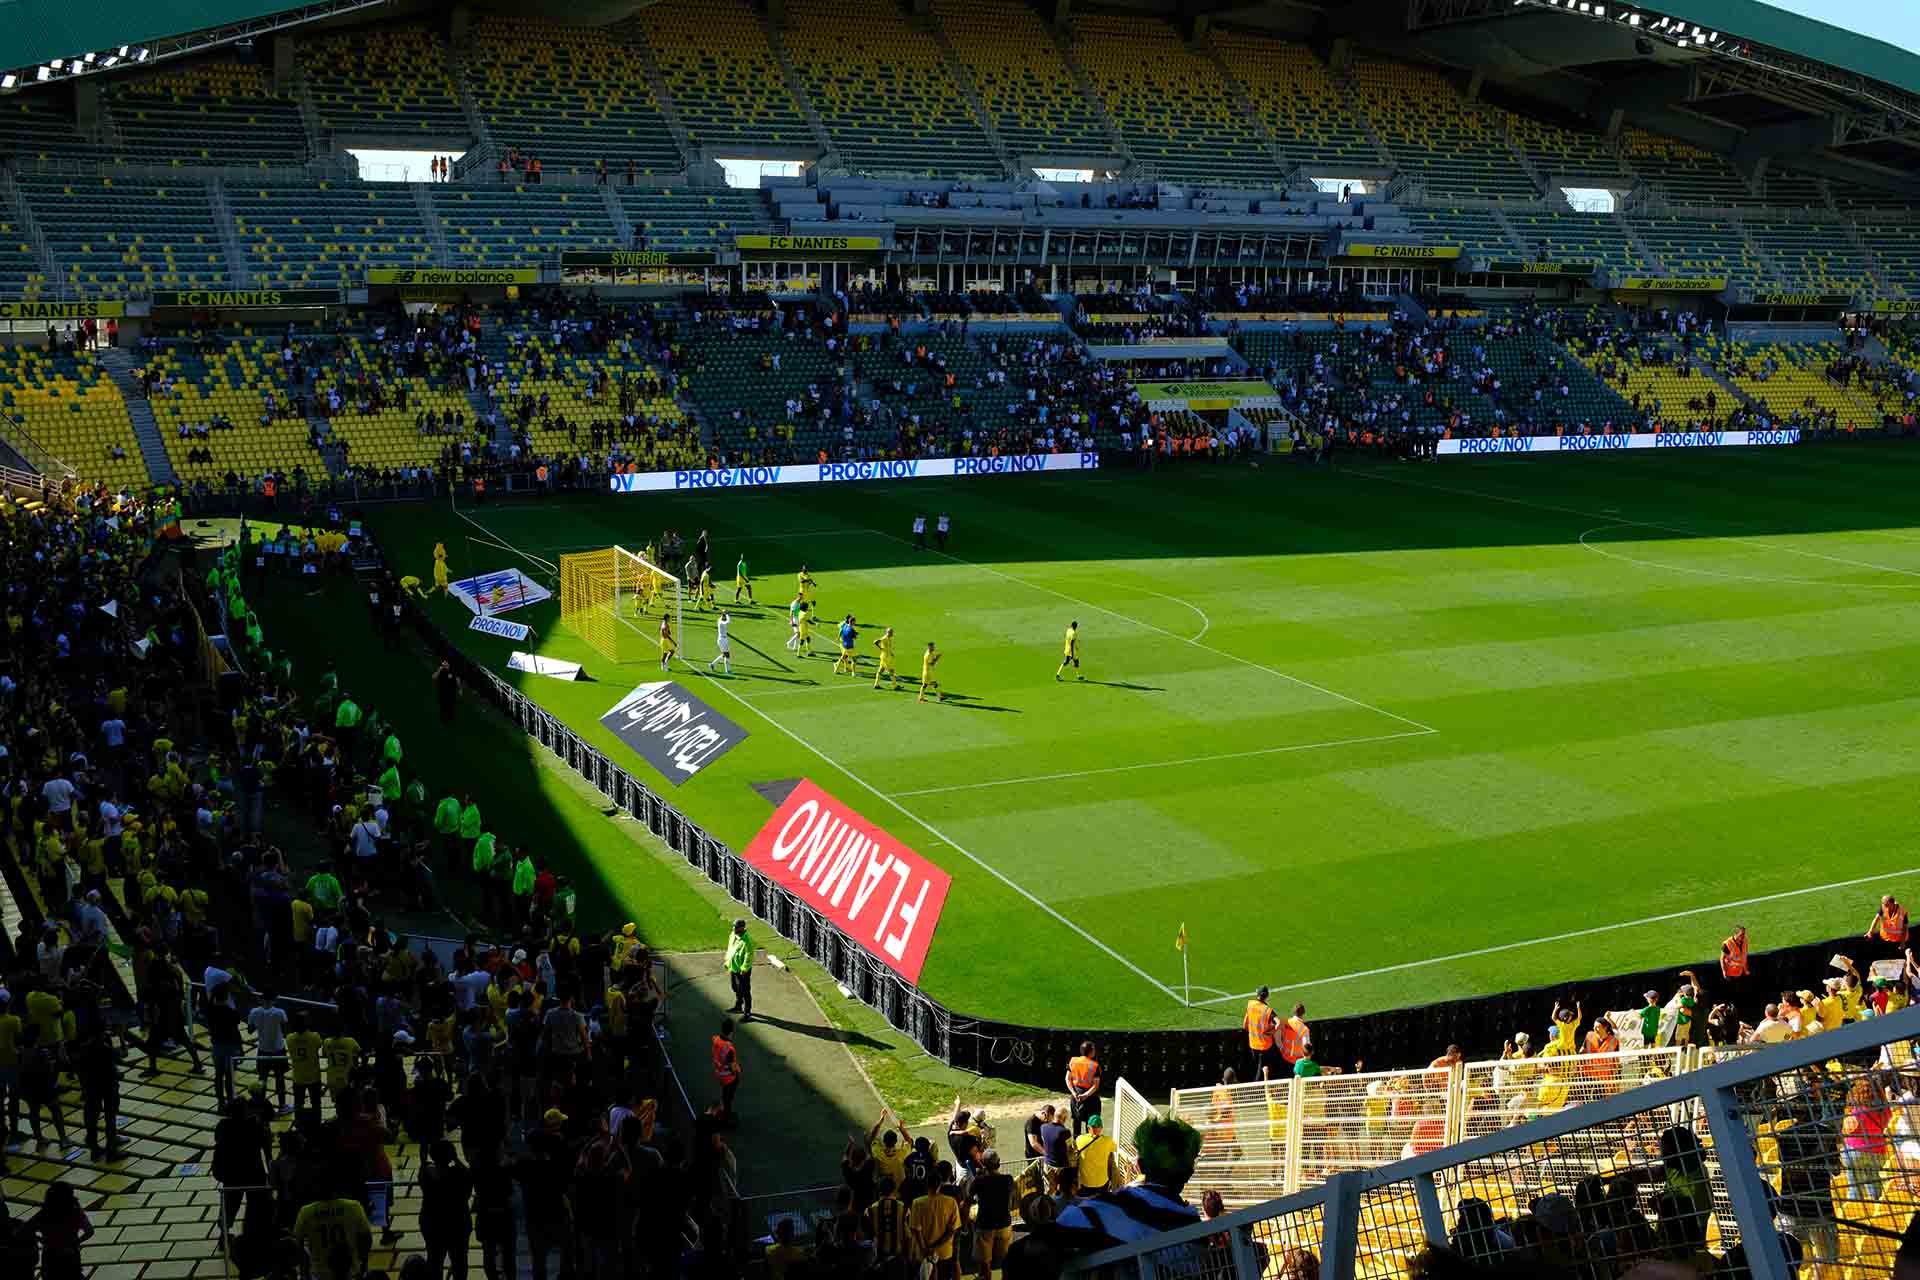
pixel 1377 736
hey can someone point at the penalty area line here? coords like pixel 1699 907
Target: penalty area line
pixel 1580 933
pixel 1167 764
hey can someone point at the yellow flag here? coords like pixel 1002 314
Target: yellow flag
pixel 1180 943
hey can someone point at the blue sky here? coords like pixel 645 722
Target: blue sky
pixel 1895 21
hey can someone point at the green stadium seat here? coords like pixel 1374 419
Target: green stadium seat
pixel 726 84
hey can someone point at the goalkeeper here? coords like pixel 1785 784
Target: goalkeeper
pixel 741 582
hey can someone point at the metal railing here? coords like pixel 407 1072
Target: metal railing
pixel 1798 1153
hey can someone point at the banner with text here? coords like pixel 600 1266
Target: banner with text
pixel 672 730
pixel 641 258
pixel 498 592
pixel 1400 250
pixel 457 275
pixel 833 472
pixel 15 310
pixel 1670 284
pixel 1164 397
pixel 1897 308
pixel 873 888
pixel 810 245
pixel 1507 268
pixel 238 299
pixel 492 626
pixel 1775 299
pixel 1617 442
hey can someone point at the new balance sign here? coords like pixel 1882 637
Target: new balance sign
pixel 877 891
pixel 672 730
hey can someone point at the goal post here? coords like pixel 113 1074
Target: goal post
pixel 614 599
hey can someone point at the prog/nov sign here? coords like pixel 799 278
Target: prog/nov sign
pixel 1618 442
pixel 829 472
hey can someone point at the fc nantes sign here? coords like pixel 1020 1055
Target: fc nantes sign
pixel 1409 251
pixel 61 310
pixel 435 275
pixel 244 299
pixel 810 246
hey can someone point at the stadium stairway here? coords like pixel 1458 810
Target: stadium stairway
pixel 829 154
pixel 1207 49
pixel 1511 232
pixel 970 94
pixel 1088 93
pixel 118 362
pixel 1634 241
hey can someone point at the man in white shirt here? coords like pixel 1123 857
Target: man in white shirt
pixel 365 838
pixel 469 987
pixel 725 657
pixel 1772 1029
pixel 268 1022
pixel 58 793
pixel 110 818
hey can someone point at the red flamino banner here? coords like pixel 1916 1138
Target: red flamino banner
pixel 880 893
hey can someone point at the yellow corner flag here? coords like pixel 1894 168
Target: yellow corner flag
pixel 1180 943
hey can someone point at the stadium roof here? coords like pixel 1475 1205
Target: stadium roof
pixel 1850 50
pixel 37 32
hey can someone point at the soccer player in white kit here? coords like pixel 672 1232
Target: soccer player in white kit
pixel 725 657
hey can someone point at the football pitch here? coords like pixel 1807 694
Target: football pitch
pixel 1375 735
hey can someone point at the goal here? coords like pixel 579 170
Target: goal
pixel 614 599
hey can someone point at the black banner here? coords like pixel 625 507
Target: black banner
pixel 243 299
pixel 627 259
pixel 672 730
pixel 1509 268
pixel 1774 299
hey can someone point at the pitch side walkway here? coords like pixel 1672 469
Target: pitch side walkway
pixel 801 1093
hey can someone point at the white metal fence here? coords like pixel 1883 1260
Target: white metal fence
pixel 1801 1158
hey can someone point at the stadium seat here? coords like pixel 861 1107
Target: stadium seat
pixel 521 226
pixel 1562 154
pixel 570 95
pixel 1896 247
pixel 325 235
pixel 567 384
pixel 1796 380
pixel 20 272
pixel 1557 236
pixel 728 373
pixel 1458 146
pixel 726 85
pixel 1474 230
pixel 114 235
pixel 388 80
pixel 1170 103
pixel 221 113
pixel 1697 246
pixel 884 92
pixel 1812 257
pixel 36 127
pixel 1026 86
pixel 1297 98
pixel 680 218
pixel 69 407
pixel 1687 174
pixel 231 385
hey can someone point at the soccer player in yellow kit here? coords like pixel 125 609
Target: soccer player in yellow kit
pixel 928 661
pixel 804 647
pixel 885 645
pixel 706 588
pixel 1072 651
pixel 806 585
pixel 666 643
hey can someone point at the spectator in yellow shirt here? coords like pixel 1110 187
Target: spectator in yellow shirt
pixel 890 1149
pixel 304 1047
pixel 934 1220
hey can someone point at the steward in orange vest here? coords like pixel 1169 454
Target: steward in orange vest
pixel 1295 1036
pixel 1261 1024
pixel 1733 954
pixel 1601 1040
pixel 726 1067
pixel 1083 1086
pixel 1890 925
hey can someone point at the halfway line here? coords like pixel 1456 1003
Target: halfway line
pixel 1168 764
pixel 1581 933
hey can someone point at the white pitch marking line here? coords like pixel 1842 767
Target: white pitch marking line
pixel 1218 653
pixel 958 848
pixel 1737 577
pixel 1581 933
pixel 1749 542
pixel 1167 764
pixel 839 687
pixel 1206 623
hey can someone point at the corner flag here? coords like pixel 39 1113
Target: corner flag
pixel 1180 943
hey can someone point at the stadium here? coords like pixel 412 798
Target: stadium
pixel 635 596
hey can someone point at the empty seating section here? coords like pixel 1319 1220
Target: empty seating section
pixel 1788 190
pixel 1429 128
pixel 1561 153
pixel 33 127
pixel 69 408
pixel 1797 379
pixel 230 385
pixel 326 235
pixel 680 218
pixel 215 113
pixel 387 437
pixel 1021 78
pixel 1297 98
pixel 725 82
pixel 971 402
pixel 1575 237
pixel 1474 230
pixel 572 96
pixel 20 273
pixel 1170 104
pixel 1896 247
pixel 1817 258
pixel 1689 175
pixel 883 90
pixel 499 226
pixel 111 235
pixel 1696 247
pixel 389 81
